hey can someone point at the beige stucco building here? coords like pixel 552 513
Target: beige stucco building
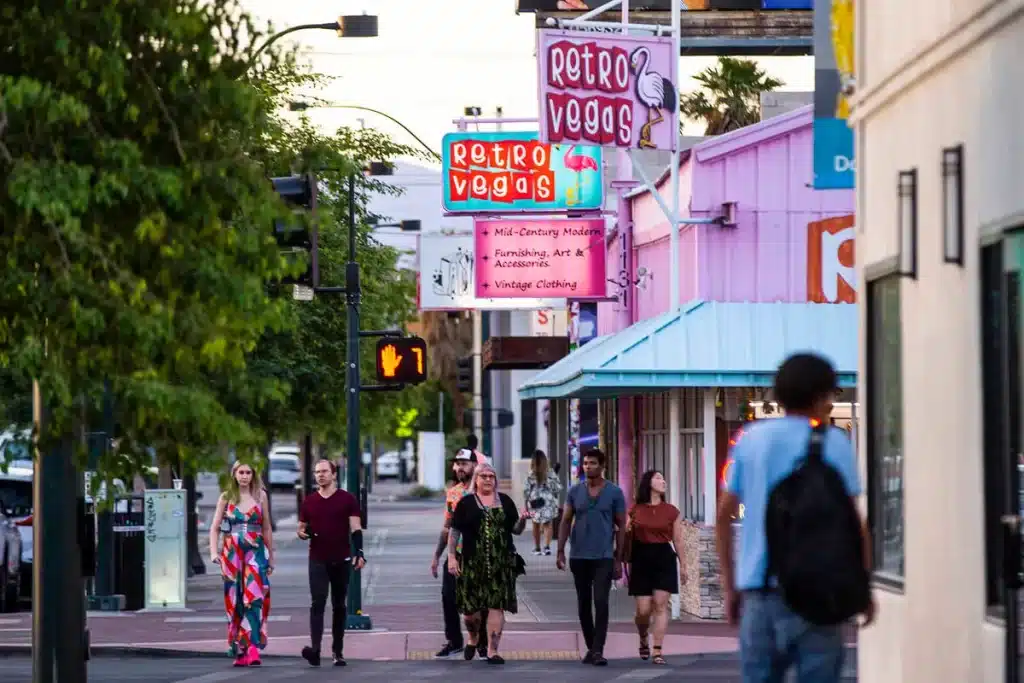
pixel 940 370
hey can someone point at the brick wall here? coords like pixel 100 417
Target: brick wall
pixel 702 594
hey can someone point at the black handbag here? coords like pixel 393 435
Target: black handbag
pixel 537 503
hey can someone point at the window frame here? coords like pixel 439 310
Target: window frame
pixel 888 275
pixel 1001 367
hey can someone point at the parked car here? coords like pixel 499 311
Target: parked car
pixel 389 465
pixel 15 537
pixel 285 468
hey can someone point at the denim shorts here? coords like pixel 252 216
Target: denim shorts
pixel 774 640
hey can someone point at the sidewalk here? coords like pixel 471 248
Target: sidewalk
pixel 401 598
pixel 171 634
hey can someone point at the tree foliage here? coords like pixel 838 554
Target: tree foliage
pixel 729 96
pixel 136 139
pixel 309 356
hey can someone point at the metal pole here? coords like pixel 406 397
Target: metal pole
pixel 353 452
pixel 71 640
pixel 463 123
pixel 329 26
pixel 307 463
pixel 105 518
pixel 46 566
pixel 478 377
pixel 440 411
pixel 674 219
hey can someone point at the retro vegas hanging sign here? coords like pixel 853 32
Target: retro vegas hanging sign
pixel 612 91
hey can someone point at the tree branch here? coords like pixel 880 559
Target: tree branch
pixel 60 243
pixel 167 114
pixel 4 152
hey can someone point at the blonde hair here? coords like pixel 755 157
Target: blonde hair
pixel 234 491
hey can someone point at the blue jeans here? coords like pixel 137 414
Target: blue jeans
pixel 773 639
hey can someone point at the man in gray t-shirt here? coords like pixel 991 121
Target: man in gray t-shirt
pixel 599 510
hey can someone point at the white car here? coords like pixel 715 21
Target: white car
pixel 389 465
pixel 285 469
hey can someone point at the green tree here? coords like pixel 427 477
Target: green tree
pixel 306 359
pixel 136 220
pixel 135 210
pixel 729 96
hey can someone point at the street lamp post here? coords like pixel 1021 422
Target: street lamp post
pixel 303 106
pixel 352 26
pixel 353 451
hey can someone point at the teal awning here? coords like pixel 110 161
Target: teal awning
pixel 703 344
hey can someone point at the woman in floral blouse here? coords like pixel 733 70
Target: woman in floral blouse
pixel 541 492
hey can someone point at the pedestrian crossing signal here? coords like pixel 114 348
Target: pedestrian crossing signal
pixel 401 360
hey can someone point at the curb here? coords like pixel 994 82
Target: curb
pixel 140 652
pixel 149 652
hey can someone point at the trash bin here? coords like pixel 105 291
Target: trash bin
pixel 130 551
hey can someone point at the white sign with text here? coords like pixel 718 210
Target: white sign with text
pixel 448 278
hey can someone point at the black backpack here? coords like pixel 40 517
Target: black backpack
pixel 815 549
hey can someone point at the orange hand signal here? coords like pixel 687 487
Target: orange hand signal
pixel 390 360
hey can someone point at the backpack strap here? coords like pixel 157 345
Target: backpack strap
pixel 815 452
pixel 816 445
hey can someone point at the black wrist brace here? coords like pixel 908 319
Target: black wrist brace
pixel 357 542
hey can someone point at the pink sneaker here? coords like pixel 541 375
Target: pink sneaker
pixel 253 656
pixel 242 660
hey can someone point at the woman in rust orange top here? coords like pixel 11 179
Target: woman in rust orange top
pixel 653 527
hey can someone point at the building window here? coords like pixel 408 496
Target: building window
pixel 689 463
pixel 692 461
pixel 654 433
pixel 885 425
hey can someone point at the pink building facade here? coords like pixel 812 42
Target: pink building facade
pixel 789 244
pixel 782 248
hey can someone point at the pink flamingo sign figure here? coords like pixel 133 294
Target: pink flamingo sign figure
pixel 577 163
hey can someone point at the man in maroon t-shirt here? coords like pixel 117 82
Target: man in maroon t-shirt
pixel 327 518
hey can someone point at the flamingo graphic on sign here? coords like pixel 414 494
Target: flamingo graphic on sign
pixel 577 163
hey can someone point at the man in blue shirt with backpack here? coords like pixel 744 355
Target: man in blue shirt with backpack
pixel 804 558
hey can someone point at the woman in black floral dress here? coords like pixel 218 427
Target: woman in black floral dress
pixel 487 570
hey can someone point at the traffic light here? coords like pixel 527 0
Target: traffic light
pixel 401 360
pixel 464 375
pixel 296 236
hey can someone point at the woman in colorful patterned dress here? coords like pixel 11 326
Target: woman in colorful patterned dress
pixel 486 572
pixel 246 559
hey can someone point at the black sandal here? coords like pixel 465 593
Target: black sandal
pixel 469 652
pixel 658 659
pixel 496 659
pixel 645 649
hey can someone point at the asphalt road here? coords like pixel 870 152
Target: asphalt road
pixel 696 669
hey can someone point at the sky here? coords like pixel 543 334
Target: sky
pixel 434 58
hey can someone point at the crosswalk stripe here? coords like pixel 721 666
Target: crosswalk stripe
pixel 214 676
pixel 648 674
